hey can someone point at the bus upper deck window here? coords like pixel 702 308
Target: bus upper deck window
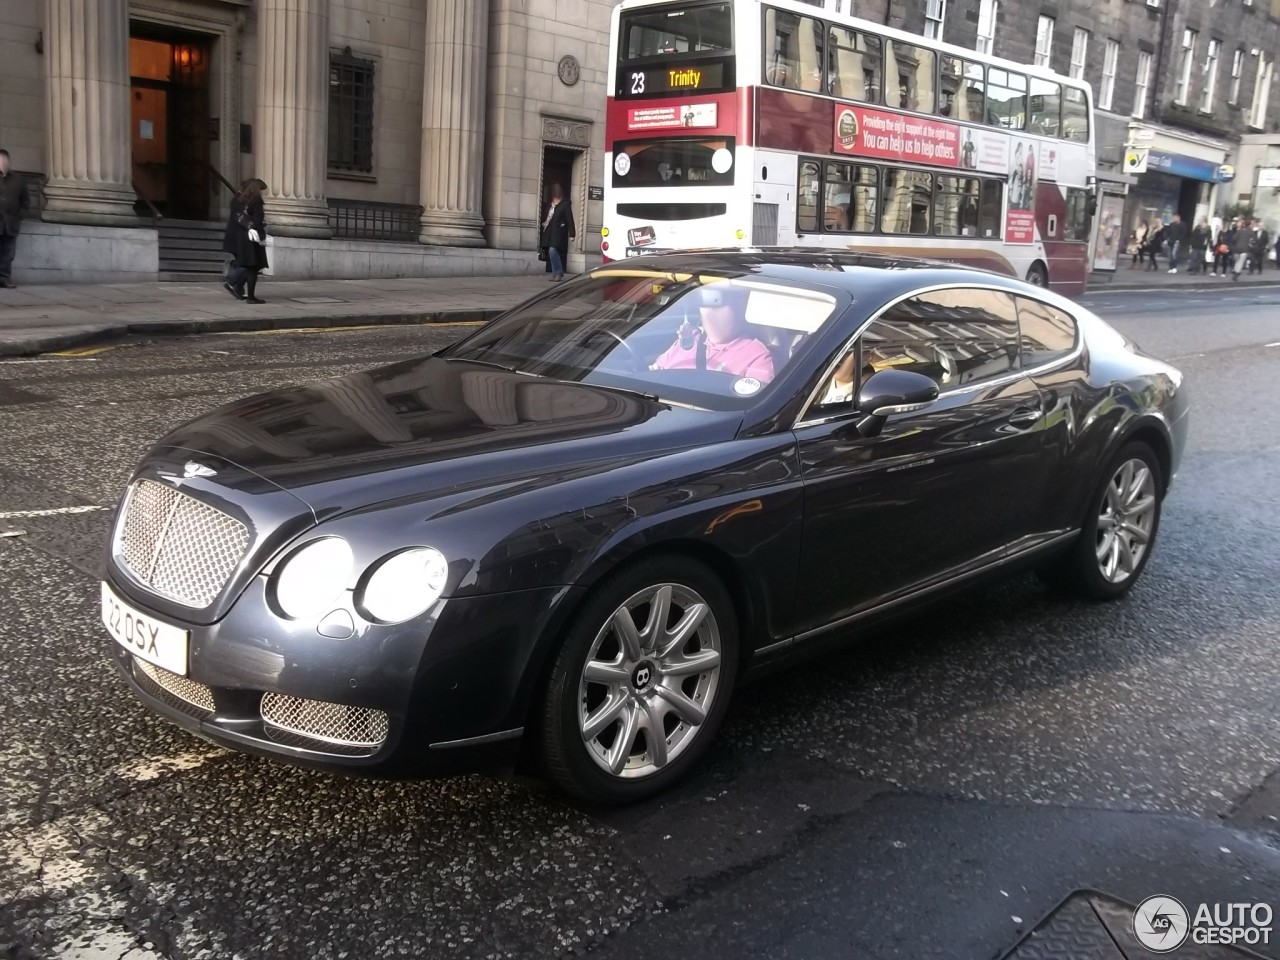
pixel 909 77
pixel 855 65
pixel 793 51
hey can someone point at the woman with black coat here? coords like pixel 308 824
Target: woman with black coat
pixel 244 239
pixel 557 230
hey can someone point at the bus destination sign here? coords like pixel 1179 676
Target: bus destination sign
pixel 682 78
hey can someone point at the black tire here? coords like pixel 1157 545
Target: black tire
pixel 567 759
pixel 1038 276
pixel 1079 571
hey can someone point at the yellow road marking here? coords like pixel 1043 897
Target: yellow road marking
pixel 80 351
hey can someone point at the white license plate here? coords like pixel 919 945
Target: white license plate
pixel 146 637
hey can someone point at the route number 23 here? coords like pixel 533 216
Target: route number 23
pixel 637 83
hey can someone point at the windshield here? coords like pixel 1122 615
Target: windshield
pixel 676 30
pixel 709 341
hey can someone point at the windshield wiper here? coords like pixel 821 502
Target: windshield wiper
pixel 652 397
pixel 494 365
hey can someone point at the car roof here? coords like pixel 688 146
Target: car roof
pixel 860 274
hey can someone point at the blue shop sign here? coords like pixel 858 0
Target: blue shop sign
pixel 1183 166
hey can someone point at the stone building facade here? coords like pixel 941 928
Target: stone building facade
pixel 418 137
pixel 397 137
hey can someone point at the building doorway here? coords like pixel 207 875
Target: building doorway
pixel 557 167
pixel 170 120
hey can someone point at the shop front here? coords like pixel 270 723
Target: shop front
pixel 1172 174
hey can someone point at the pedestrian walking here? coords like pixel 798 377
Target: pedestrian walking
pixel 1155 243
pixel 1242 248
pixel 557 230
pixel 1200 239
pixel 1222 249
pixel 1261 244
pixel 1138 246
pixel 245 239
pixel 1175 235
pixel 15 198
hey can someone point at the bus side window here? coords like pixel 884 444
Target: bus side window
pixel 991 212
pixel 807 198
pixel 855 64
pixel 909 74
pixel 1006 99
pixel 793 51
pixel 1046 106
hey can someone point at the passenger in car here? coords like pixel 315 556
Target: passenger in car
pixel 720 343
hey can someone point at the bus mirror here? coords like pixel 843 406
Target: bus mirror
pixel 1092 206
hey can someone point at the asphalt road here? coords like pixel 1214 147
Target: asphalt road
pixel 936 791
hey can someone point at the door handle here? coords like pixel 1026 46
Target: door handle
pixel 1025 416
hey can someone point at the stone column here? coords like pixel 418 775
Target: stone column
pixel 292 135
pixel 453 112
pixel 87 65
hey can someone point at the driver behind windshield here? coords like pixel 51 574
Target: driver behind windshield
pixel 722 342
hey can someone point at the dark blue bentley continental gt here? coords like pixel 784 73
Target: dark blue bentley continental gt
pixel 563 540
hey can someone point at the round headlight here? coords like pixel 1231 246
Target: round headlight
pixel 404 584
pixel 311 579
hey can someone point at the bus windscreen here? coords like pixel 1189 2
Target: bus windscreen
pixel 676 30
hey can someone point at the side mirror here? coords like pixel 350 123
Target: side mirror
pixel 889 392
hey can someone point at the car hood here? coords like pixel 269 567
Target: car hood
pixel 436 428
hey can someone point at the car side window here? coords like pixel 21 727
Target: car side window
pixel 1048 334
pixel 957 336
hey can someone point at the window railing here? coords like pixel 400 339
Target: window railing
pixel 369 220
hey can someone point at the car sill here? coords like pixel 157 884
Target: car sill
pixel 916 595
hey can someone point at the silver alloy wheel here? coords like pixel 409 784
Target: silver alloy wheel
pixel 648 686
pixel 1126 521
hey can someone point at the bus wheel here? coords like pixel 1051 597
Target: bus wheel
pixel 1037 276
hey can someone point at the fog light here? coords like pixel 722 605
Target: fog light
pixel 604 231
pixel 741 234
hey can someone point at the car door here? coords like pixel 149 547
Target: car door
pixel 937 491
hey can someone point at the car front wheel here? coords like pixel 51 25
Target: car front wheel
pixel 642 682
pixel 1120 531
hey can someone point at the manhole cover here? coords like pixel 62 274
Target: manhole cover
pixel 1094 926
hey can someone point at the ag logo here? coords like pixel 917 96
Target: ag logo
pixel 1161 924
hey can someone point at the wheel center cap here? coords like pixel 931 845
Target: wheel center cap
pixel 642 676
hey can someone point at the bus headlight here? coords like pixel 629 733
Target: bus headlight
pixel 604 231
pixel 741 233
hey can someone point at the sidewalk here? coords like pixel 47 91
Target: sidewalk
pixel 41 318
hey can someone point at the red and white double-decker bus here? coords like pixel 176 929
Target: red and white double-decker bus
pixel 775 122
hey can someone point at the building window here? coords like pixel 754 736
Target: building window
pixel 1110 59
pixel 1261 92
pixel 1141 85
pixel 1044 41
pixel 1209 79
pixel 1237 72
pixel 988 10
pixel 1079 52
pixel 1186 58
pixel 350 114
pixel 935 12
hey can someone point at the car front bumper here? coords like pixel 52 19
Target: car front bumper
pixel 443 693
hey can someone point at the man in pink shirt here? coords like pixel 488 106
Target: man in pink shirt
pixel 721 343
